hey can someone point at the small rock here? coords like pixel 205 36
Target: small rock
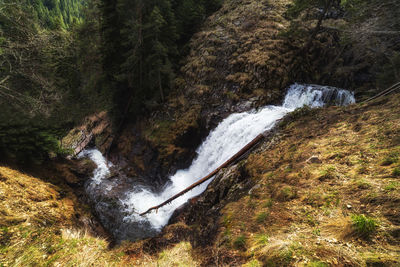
pixel 349 206
pixel 314 159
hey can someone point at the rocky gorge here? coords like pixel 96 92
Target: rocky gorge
pixel 294 200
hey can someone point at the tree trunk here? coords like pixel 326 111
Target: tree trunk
pixel 317 28
pixel 160 85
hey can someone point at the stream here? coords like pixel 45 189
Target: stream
pixel 225 140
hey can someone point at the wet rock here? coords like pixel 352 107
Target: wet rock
pixel 105 199
pixel 200 212
pixel 83 167
pixel 95 129
pixel 75 172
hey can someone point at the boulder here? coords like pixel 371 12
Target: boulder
pixel 95 129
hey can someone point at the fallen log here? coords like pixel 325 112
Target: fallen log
pixel 242 152
pixel 383 93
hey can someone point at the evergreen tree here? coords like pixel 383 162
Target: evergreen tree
pixel 141 40
pixel 158 56
pixel 57 14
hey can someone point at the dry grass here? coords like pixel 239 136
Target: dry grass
pixel 239 47
pixel 179 255
pixel 300 215
pixel 309 214
pixel 38 225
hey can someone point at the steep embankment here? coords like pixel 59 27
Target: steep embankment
pixel 237 61
pixel 325 190
pixel 44 219
pixel 274 208
pixel 244 56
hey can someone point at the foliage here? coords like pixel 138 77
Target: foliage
pixel 261 217
pixel 39 83
pixel 141 46
pixel 240 242
pixel 364 225
pixel 58 14
pixel 26 142
pixel 253 263
pixel 396 172
pixel 392 186
pixel 328 173
pixel 343 28
pixel 262 239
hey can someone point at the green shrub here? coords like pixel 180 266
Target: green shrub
pixel 268 204
pixel 392 186
pixel 29 142
pixel 240 242
pixel 317 232
pixel 364 225
pixel 396 172
pixel 363 184
pixel 328 173
pixel 253 263
pixel 262 239
pixel 287 193
pixel 261 217
pixel 317 264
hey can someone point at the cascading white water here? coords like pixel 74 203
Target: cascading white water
pixel 299 95
pixel 223 142
pixel 228 138
pixel 102 169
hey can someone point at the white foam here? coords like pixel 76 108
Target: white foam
pixel 228 138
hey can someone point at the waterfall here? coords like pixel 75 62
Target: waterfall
pixel 102 169
pixel 299 95
pixel 224 141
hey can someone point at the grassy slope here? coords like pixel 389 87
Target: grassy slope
pixel 340 211
pixel 301 214
pixel 306 212
pixel 43 223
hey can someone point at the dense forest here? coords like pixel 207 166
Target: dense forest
pixel 58 14
pixel 112 111
pixel 63 59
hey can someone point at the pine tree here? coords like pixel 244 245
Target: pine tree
pixel 159 53
pixel 141 40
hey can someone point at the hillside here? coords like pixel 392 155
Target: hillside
pixel 145 82
pixel 339 209
pixel 245 56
